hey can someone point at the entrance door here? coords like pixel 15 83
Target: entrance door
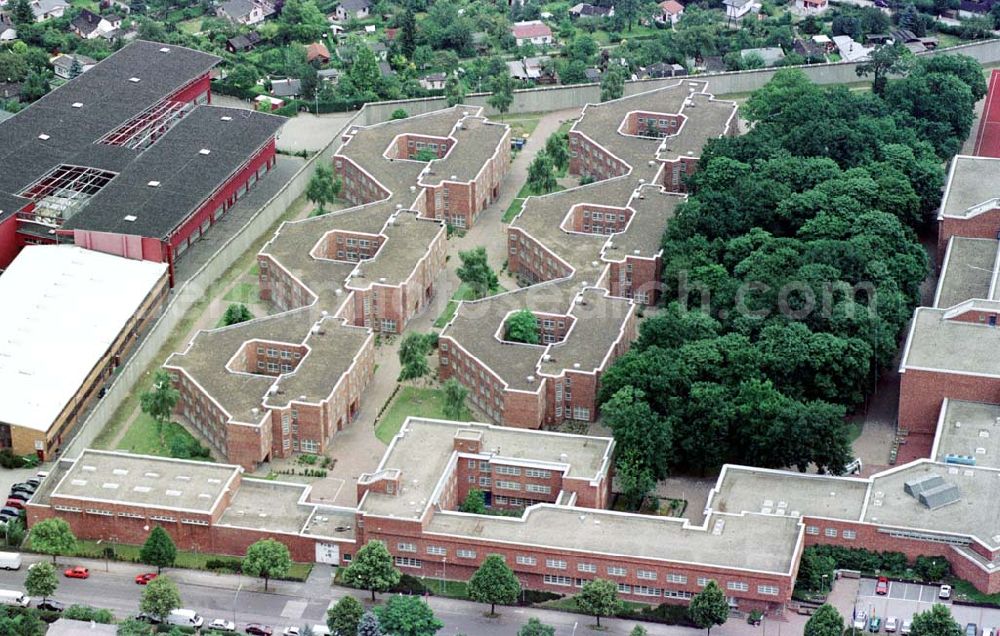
pixel 328 553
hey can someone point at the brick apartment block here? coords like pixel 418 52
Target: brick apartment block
pixel 286 383
pixel 971 206
pixel 588 255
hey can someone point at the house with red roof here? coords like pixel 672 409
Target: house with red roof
pixel 534 31
pixel 670 12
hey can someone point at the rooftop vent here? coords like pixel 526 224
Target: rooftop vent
pixel 530 378
pixel 120 471
pixel 204 151
pixel 164 49
pixel 153 475
pixel 182 478
pixel 226 118
pixel 109 486
pixel 79 482
pixel 141 488
pixel 576 365
pixel 204 495
pixel 134 80
pixel 130 217
pixel 77 104
pixel 213 480
pixel 153 184
pixel 44 137
pixel 173 493
pixel 88 468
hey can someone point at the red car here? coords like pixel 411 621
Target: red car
pixel 15 503
pixel 882 586
pixel 78 572
pixel 256 629
pixel 143 579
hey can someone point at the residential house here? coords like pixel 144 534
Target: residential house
pixel 317 52
pixel 434 81
pixel 770 54
pixel 248 12
pixel 662 69
pixel 811 7
pixel 738 9
pixel 812 51
pixel 286 87
pixel 63 64
pixel 88 25
pixel 331 75
pixel 670 12
pixel 7 31
pixel 593 75
pixel 587 10
pixel 481 42
pixel 533 69
pixel 48 9
pixel 850 50
pixel 534 31
pixel 10 91
pixel 243 43
pixel 348 9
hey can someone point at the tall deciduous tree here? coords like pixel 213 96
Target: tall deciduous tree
pixel 41 580
pixel 475 271
pixel 267 558
pixel 235 314
pixel 535 627
pixel 159 401
pixel 502 88
pixel 827 621
pixel 21 13
pixel 599 598
pixel 413 352
pixel 372 569
pixel 937 621
pixel 407 39
pixel 639 431
pixel 494 582
pixel 522 326
pixel 709 607
pixel 613 83
pixel 52 536
pixel 369 626
pixel 454 90
pixel 343 618
pixel 407 616
pixel 475 502
pixel 541 179
pixel 454 400
pixel 160 597
pixel 158 550
pixel 364 72
pixel 555 148
pixel 323 187
pixel 885 60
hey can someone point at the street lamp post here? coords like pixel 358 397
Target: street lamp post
pixel 236 597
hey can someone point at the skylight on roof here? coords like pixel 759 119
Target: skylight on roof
pixel 130 217
pixel 204 151
pixel 152 474
pixel 173 493
pixel 109 485
pixel 134 80
pixel 164 49
pixel 226 118
pixel 44 137
pixel 141 488
pixel 77 104
pixel 153 184
pixel 79 482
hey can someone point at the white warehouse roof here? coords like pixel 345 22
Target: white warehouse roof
pixel 62 308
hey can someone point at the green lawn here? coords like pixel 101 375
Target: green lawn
pixel 519 127
pixel 512 211
pixel 410 401
pixel 245 293
pixel 141 437
pixel 964 589
pixel 190 26
pixel 464 292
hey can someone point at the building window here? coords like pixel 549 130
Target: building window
pixel 850 535
pixel 555 564
pixel 830 532
pixel 523 559
pixel 767 590
pixel 580 413
pixel 553 579
pixel 436 550
pixel 624 588
pixel 737 586
pixel 513 471
pixel 536 488
pixel 702 581
pixel 586 567
pixel 812 530
pixel 646 575
pixel 642 590
pixel 406 547
pixel 466 554
pixel 408 562
pixel 508 485
pixel 677 578
pixel 537 473
pixel 617 570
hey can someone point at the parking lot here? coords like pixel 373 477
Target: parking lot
pixel 906 599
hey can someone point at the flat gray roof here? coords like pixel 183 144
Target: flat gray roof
pixel 143 480
pixel 747 542
pixel 968 271
pixel 267 505
pixel 971 429
pixel 974 514
pixel 423 449
pixel 972 181
pixel 781 493
pixel 476 139
pixel 940 343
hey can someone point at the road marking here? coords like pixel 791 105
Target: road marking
pixel 294 609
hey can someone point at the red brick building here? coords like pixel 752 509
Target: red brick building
pixel 129 159
pixel 970 206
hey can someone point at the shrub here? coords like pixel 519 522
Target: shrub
pixel 8 459
pixel 932 568
pixel 308 459
pixel 409 584
pixel 530 597
pixel 87 613
pixel 231 565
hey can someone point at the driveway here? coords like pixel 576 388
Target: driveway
pixel 906 599
pixel 305 131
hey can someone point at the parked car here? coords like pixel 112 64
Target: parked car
pixel 906 628
pixel 8 512
pixel 15 503
pixel 944 592
pixel 24 487
pixel 222 625
pixel 256 629
pixel 882 586
pixel 874 624
pixel 10 561
pixel 891 624
pixel 23 496
pixel 148 618
pixel 51 606
pixel 860 621
pixel 34 481
pixel 77 572
pixel 290 631
pixel 143 579
pixel 971 629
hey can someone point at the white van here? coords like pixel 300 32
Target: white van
pixel 13 597
pixel 321 630
pixel 185 618
pixel 10 560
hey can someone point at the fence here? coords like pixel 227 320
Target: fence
pixel 525 101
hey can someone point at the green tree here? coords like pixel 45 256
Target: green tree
pixel 454 90
pixel 159 401
pixel 454 399
pixel 502 97
pixel 613 82
pixel 372 569
pixel 816 570
pixel 475 503
pixel 885 60
pixel 236 313
pixel 709 607
pixel 41 580
pixel 343 618
pixel 21 13
pixel 369 626
pixel 638 630
pixel 555 148
pixel 399 113
pixel 599 598
pixel 35 86
pixel 24 624
pixel 541 178
pixel 75 68
pixel 267 559
pixel 52 536
pixel 158 550
pixel 323 187
pixel 535 627
pixel 407 616
pixel 494 582
pixel 160 597
pixel 642 435
pixel 635 480
pixel 134 627
pixel 364 72
pixel 243 76
pixel 522 326
pixel 301 21
pixel 475 271
pixel 827 621
pixel 413 352
pixel 407 38
pixel 937 621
